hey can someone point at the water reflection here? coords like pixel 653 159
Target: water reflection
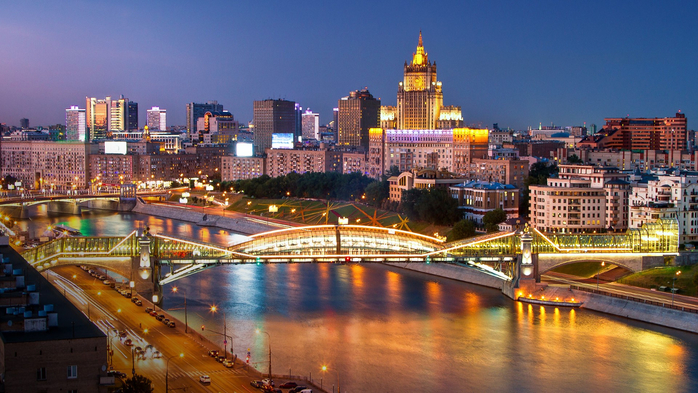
pixel 389 330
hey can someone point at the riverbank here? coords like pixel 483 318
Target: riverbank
pixel 617 306
pixel 211 218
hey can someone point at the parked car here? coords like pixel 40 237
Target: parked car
pixel 256 384
pixel 154 313
pixel 112 284
pixel 288 385
pixel 166 321
pixel 122 334
pixel 157 355
pixel 213 353
pixel 138 303
pixel 160 317
pixel 297 389
pixel 171 324
pixel 205 379
pixel 148 309
pixel 106 282
pixel 127 294
pixel 134 299
pixel 268 381
pixel 128 342
pixel 228 363
pixel 220 358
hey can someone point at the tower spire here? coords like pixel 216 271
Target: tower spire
pixel 420 40
pixel 419 57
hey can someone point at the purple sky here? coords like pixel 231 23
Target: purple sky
pixel 509 62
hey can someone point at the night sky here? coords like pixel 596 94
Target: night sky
pixel 509 62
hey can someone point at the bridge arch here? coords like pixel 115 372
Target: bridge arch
pixel 609 260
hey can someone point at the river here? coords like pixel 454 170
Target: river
pixel 383 329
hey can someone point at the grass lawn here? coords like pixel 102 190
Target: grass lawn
pixel 663 276
pixel 317 212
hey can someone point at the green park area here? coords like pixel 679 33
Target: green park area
pixel 686 281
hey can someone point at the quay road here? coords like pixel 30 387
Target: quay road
pixel 624 290
pixel 109 310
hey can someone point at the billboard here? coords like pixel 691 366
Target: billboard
pixel 114 147
pixel 282 141
pixel 243 149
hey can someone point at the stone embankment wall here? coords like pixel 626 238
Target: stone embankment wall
pixel 454 272
pixel 234 224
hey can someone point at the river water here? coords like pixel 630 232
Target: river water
pixel 384 329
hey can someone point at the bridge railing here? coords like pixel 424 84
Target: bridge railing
pixel 83 246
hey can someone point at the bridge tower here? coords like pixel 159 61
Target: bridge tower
pixel 527 265
pixel 143 271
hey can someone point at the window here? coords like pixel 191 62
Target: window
pixel 41 374
pixel 72 372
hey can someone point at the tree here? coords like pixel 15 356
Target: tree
pixel 462 230
pixel 574 159
pixel 377 192
pixel 538 175
pixel 492 218
pixel 394 171
pixel 138 384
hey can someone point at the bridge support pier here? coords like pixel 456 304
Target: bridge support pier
pixel 62 207
pixel 143 272
pixel 526 272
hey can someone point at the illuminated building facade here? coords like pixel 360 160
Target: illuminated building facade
pixel 156 119
pixel 107 115
pixel 668 133
pixel 45 164
pixel 582 199
pixel 241 168
pixel 310 125
pixel 670 195
pixel 216 123
pixel 272 117
pixel 451 150
pixel 476 198
pixel 197 110
pixel 422 179
pixel 420 96
pixel 358 113
pixel 75 129
pixel 388 117
pixel 510 171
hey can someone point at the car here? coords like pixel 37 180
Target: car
pixel 122 334
pixel 127 294
pixel 160 317
pixel 134 299
pixel 213 353
pixel 256 384
pixel 157 355
pixel 205 379
pixel 288 385
pixel 116 373
pixel 128 342
pixel 112 284
pixel 138 303
pixel 268 381
pixel 106 282
pixel 148 309
pixel 220 358
pixel 154 313
pixel 138 349
pixel 172 324
pixel 166 321
pixel 297 389
pixel 228 363
pixel 269 389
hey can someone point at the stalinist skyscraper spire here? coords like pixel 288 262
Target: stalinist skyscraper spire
pixel 419 96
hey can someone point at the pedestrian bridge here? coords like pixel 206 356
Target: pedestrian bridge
pixel 172 258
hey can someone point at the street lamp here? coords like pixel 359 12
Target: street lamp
pixel 167 371
pixel 110 352
pixel 673 286
pixel 214 309
pixel 324 368
pixel 597 275
pixel 186 324
pixel 269 343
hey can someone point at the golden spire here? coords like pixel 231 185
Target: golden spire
pixel 420 57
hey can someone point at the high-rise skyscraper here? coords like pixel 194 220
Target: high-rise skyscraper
pixel 97 113
pixel 272 117
pixel 419 96
pixel 156 119
pixel 311 125
pixel 75 128
pixel 132 115
pixel 24 123
pixel 358 112
pixel 195 111
pixel 299 123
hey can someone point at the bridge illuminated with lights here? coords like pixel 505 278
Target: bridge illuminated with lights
pixel 153 260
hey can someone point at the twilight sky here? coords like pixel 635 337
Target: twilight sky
pixel 510 62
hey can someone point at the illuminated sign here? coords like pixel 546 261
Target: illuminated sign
pixel 243 149
pixel 115 147
pixel 282 141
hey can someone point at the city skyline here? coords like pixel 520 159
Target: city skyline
pixel 598 64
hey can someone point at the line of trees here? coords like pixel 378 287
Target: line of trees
pixel 319 185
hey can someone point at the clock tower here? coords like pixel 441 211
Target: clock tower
pixel 419 96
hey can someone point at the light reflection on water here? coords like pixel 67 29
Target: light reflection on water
pixel 389 330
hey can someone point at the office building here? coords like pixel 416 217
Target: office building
pixel 668 133
pixel 97 113
pixel 388 117
pixel 358 113
pixel 195 111
pixel 310 125
pixel 24 123
pixel 422 179
pixel 510 171
pixel 241 168
pixel 213 126
pixel 156 119
pixel 272 117
pixel 75 128
pixel 582 199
